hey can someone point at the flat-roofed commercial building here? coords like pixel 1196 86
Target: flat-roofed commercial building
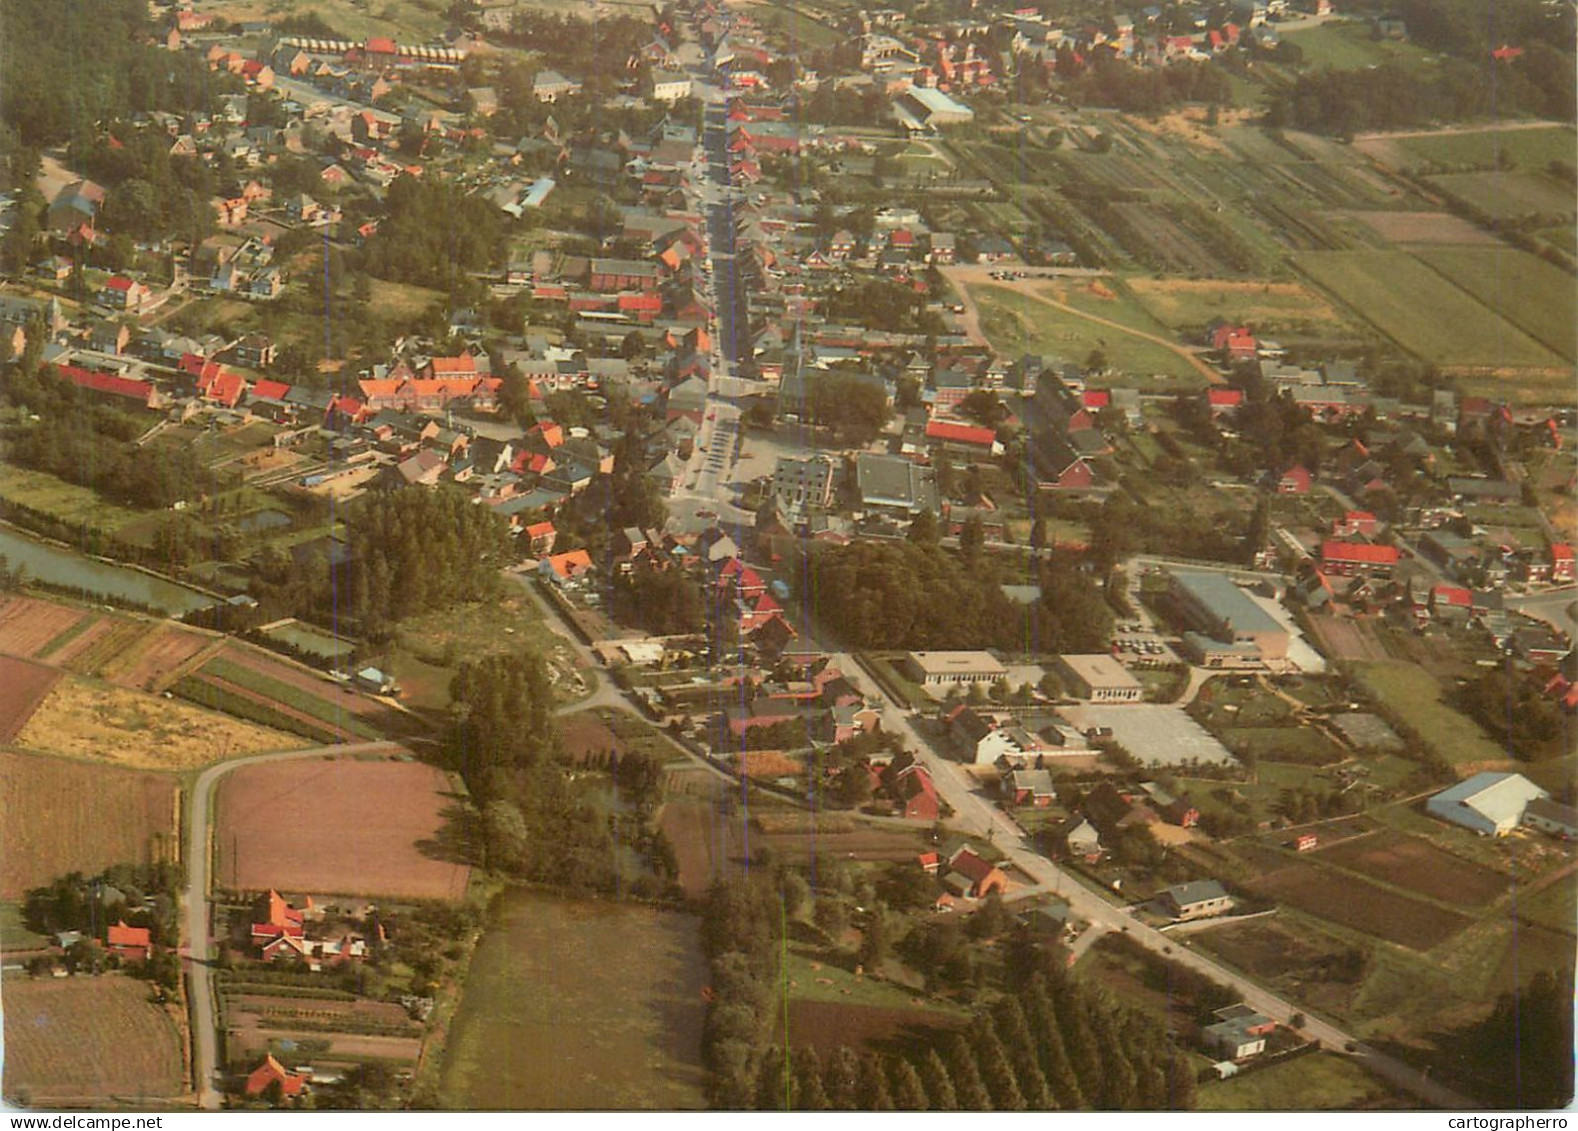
pixel 1222 611
pixel 928 668
pixel 893 483
pixel 1099 678
pixel 801 483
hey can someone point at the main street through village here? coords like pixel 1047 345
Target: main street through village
pixel 708 494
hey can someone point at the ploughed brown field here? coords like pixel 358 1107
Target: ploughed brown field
pixel 1363 906
pixel 338 825
pixel 95 1040
pixel 28 625
pixel 1420 866
pixel 59 815
pixel 22 688
pixel 150 664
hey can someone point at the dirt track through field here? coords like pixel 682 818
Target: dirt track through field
pixel 963 278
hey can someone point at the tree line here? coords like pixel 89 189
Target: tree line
pixel 531 823
pixel 1049 1042
pixel 68 66
pixel 918 596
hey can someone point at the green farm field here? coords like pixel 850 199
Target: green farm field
pixel 1350 46
pixel 1508 195
pixel 1422 312
pixel 407 20
pixel 1535 296
pixel 1266 306
pixel 576 1005
pixel 1413 695
pixel 1554 906
pixel 323 708
pixel 79 506
pixel 1016 324
pixel 1524 148
pixel 1324 1081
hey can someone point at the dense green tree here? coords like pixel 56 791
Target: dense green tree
pixel 1014 1032
pixel 997 1072
pixel 841 1078
pixel 1048 1039
pixel 1519 1057
pixel 503 706
pixel 909 1094
pixel 872 1092
pixel 434 234
pixel 965 1073
pixel 810 1093
pixel 938 1082
pixel 414 551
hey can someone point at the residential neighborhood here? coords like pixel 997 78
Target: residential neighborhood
pixel 956 557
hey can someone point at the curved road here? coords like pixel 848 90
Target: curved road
pixel 200 981
pixel 979 817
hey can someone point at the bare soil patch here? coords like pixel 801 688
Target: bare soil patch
pixel 157 656
pixel 1362 906
pixel 131 728
pixel 1423 227
pixel 701 843
pixel 22 688
pixel 68 651
pixel 584 736
pixel 65 816
pixel 339 826
pixel 1420 866
pixel 1342 638
pixel 28 625
pixel 100 1040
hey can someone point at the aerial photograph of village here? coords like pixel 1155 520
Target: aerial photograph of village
pixel 788 555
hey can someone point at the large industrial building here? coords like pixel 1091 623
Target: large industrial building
pixel 1231 629
pixel 931 668
pixel 1099 678
pixel 1491 804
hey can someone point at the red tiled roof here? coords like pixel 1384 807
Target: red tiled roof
pixel 270 1071
pixel 1561 552
pixel 122 935
pixel 1369 554
pixel 950 431
pixel 380 45
pixel 1225 398
pixel 967 863
pixel 1095 398
pixel 1453 595
pixel 270 390
pixel 107 383
pixel 120 283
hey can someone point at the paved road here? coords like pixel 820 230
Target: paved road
pixel 199 913
pixel 1555 607
pixel 977 816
